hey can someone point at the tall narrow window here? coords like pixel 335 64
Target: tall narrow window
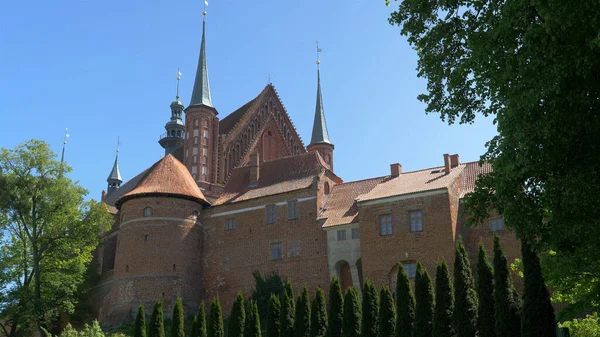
pixel 230 224
pixel 497 224
pixel 385 225
pixel 195 140
pixel 410 268
pixel 341 235
pixel 270 210
pixel 292 209
pixel 355 233
pixel 276 251
pixel 194 159
pixel 326 188
pixel 416 223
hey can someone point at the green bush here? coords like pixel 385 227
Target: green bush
pixel 585 327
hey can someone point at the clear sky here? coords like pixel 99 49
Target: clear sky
pixel 107 68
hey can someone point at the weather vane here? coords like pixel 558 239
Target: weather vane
pixel 205 4
pixel 319 50
pixel 118 144
pixel 178 79
pixel 62 157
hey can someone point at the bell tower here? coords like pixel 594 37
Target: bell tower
pixel 114 178
pixel 172 140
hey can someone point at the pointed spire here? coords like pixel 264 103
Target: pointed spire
pixel 201 92
pixel 114 178
pixel 320 134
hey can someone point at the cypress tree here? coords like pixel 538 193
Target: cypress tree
pixel 387 313
pixel 215 324
pixel 370 310
pixel 506 301
pixel 273 317
pixel 537 318
pixel 157 324
pixel 336 309
pixel 443 325
pixel 485 294
pixel 237 317
pixel 140 323
pixel 405 305
pixel 290 291
pixel 424 308
pixel 286 322
pixel 177 329
pixel 199 324
pixel 318 320
pixel 352 314
pixel 252 324
pixel 465 297
pixel 302 317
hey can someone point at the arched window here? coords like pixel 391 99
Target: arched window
pixel 196 122
pixel 206 123
pixel 195 213
pixel 195 159
pixel 326 188
pixel 148 211
pixel 194 176
pixel 147 237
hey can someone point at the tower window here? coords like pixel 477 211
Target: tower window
pixel 194 159
pixel 206 123
pixel 196 140
pixel 195 213
pixel 147 237
pixel 196 121
pixel 148 211
pixel 326 188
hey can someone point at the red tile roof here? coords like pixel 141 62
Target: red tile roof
pixel 472 172
pixel 341 208
pixel 167 177
pixel 277 176
pixel 112 198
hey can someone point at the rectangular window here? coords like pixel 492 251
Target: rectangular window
pixel 292 209
pixel 276 251
pixel 416 222
pixel 270 213
pixel 497 224
pixel 385 225
pixel 230 224
pixel 341 235
pixel 410 268
pixel 355 233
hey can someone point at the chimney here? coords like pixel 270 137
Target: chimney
pixel 395 169
pixel 103 195
pixel 447 163
pixel 454 162
pixel 254 170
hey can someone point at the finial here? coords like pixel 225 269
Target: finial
pixel 178 79
pixel 118 144
pixel 204 12
pixel 62 157
pixel 318 51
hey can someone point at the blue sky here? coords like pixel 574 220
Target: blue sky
pixel 105 69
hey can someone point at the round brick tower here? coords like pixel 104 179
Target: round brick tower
pixel 158 255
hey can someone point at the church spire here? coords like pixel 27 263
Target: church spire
pixel 201 92
pixel 114 178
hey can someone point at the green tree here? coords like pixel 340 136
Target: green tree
pixel 405 305
pixel 537 318
pixel 424 307
pixel 370 310
pixel 302 317
pixel 336 309
pixel 265 286
pixel 157 324
pixel 531 66
pixel 506 301
pixel 584 327
pixel 252 324
pixel 286 322
pixel 444 302
pixel 318 320
pixel 273 317
pixel 352 314
pixel 485 293
pixel 237 318
pixel 387 313
pixel 140 323
pixel 215 325
pixel 199 324
pixel 49 234
pixel 465 297
pixel 178 328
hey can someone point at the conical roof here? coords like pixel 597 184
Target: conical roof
pixel 115 174
pixel 320 135
pixel 167 177
pixel 201 91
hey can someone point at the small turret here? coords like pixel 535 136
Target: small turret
pixel 114 179
pixel 172 140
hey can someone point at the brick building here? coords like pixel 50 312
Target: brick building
pixel 242 193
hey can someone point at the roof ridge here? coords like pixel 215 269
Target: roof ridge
pixel 362 180
pixel 251 107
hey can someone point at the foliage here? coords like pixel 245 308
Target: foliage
pixel 177 329
pixel 370 310
pixel 352 314
pixel 532 65
pixel 140 323
pixel 48 235
pixel 336 309
pixel 424 307
pixel 387 313
pixel 252 323
pixel 302 317
pixel 237 317
pixel 273 317
pixel 506 301
pixel 537 318
pixel 444 302
pixel 585 327
pixel 405 305
pixel 286 322
pixel 465 313
pixel 486 324
pixel 265 286
pixel 93 330
pixel 157 323
pixel 318 320
pixel 199 324
pixel 215 325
